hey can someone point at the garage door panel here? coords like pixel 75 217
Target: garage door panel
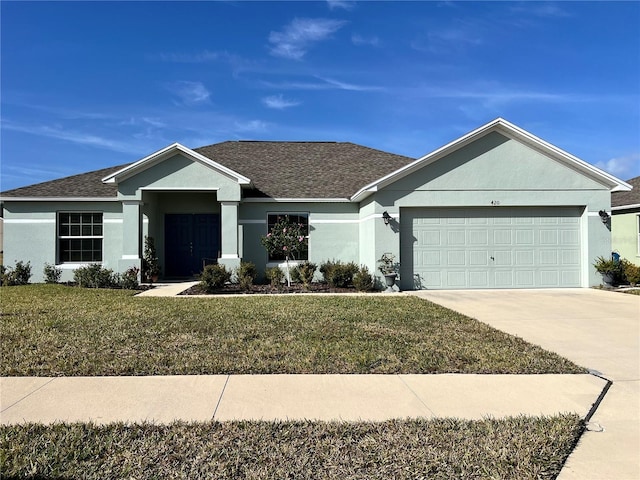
pixel 491 247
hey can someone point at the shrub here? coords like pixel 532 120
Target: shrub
pixel 363 280
pixel 304 273
pixel 326 269
pixel 631 272
pixel 51 273
pixel 246 274
pixel 129 279
pixel 275 276
pixel 95 276
pixel 214 277
pixel 19 275
pixel 338 274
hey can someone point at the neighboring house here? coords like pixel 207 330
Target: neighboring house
pixel 625 222
pixel 496 208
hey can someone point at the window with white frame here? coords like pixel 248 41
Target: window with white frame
pixel 301 218
pixel 80 237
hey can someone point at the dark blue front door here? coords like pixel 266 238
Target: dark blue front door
pixel 190 241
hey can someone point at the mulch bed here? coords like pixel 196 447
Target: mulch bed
pixel 233 289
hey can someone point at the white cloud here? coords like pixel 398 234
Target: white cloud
pixel 251 126
pixel 73 136
pixel 298 36
pixel 624 167
pixel 360 40
pixel 344 4
pixel 190 93
pixel 278 102
pixel 324 84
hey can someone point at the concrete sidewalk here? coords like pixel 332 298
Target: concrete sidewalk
pixel 163 399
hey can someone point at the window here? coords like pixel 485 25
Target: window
pixel 302 218
pixel 79 237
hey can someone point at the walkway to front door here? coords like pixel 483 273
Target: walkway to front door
pixel 191 240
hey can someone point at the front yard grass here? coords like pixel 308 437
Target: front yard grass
pixel 53 330
pixel 517 448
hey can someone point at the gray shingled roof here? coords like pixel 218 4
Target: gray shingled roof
pixel 84 185
pixel 305 169
pixel 618 199
pixel 276 169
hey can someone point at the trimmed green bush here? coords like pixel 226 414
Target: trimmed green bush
pixel 246 274
pixel 19 275
pixel 129 279
pixel 338 274
pixel 304 273
pixel 631 272
pixel 95 276
pixel 51 273
pixel 363 280
pixel 214 277
pixel 275 276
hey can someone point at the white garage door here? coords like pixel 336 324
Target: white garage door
pixel 490 247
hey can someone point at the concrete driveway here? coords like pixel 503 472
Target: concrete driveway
pixel 597 329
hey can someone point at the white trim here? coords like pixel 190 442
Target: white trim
pixel 626 207
pixel 130 257
pixel 30 220
pixel 333 221
pixel 227 256
pixel 225 203
pixel 112 220
pixel 509 130
pixel 59 199
pixel 594 214
pixel 251 221
pixel 138 203
pixel 179 189
pixel 168 152
pixel 295 200
pixel 75 265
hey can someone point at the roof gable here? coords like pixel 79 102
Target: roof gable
pixel 167 153
pixel 509 131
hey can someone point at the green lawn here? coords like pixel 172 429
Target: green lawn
pixel 515 448
pixel 51 330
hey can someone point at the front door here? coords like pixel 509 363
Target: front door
pixel 191 241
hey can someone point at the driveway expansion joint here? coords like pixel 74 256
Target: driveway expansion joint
pixel 28 395
pixel 598 401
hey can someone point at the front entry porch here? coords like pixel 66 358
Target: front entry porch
pixel 191 242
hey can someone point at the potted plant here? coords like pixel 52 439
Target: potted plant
pixel 389 269
pixel 609 268
pixel 150 265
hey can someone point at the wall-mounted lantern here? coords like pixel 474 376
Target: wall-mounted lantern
pixel 386 217
pixel 604 216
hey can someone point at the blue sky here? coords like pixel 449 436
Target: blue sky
pixel 92 85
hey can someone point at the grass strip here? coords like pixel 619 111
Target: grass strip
pixel 54 330
pixel 516 447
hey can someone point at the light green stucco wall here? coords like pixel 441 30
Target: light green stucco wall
pixel 624 235
pixel 30 234
pixel 333 230
pixel 500 170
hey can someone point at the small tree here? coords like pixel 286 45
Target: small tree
pixel 150 265
pixel 286 238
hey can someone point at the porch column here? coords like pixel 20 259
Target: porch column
pixel 131 228
pixel 229 233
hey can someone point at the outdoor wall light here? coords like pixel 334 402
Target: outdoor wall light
pixel 604 216
pixel 386 217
